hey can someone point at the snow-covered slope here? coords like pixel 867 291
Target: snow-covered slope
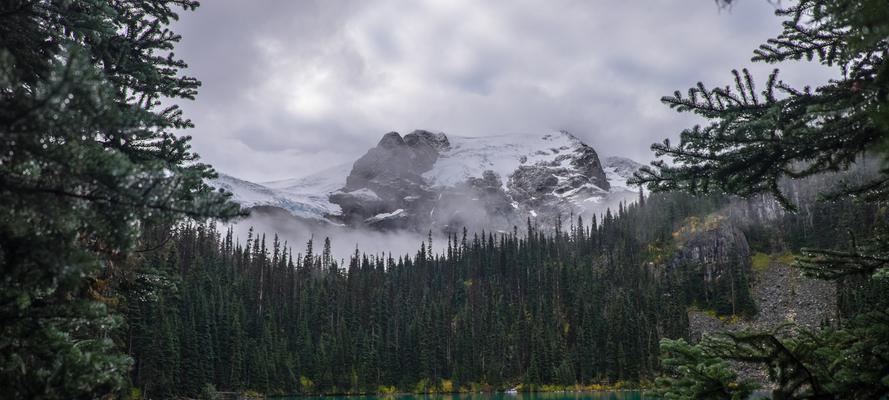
pixel 428 179
pixel 618 170
pixel 323 182
pixel 470 157
pixel 305 197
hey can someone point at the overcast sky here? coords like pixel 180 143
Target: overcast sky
pixel 293 87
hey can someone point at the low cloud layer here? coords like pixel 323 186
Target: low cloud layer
pixel 344 241
pixel 293 87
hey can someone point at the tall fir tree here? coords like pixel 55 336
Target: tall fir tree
pixel 757 139
pixel 87 159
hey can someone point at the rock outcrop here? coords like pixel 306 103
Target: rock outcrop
pixel 389 178
pixel 782 295
pixel 778 293
pixel 713 252
pixel 421 174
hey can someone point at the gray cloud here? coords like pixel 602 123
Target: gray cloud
pixel 293 87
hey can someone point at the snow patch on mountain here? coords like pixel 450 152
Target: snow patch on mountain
pixel 305 197
pixel 365 194
pixel 470 157
pixel 249 195
pixel 384 216
pixel 325 181
pixel 618 170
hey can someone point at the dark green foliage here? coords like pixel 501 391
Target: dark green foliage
pixel 580 306
pixel 87 158
pixel 756 141
pixel 588 304
pixel 846 362
pixel 698 375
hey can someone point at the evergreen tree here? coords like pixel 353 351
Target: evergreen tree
pixel 87 159
pixel 756 140
pixel 410 322
pixel 702 375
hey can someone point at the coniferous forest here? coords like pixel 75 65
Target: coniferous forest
pixel 482 310
pixel 585 305
pixel 121 279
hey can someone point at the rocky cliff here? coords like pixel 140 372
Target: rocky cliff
pixel 713 255
pixel 782 295
pixel 738 289
pixel 428 180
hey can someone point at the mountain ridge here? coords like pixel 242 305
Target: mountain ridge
pixel 433 180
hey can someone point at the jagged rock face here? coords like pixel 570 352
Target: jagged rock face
pixel 420 138
pixel 426 180
pixel 587 162
pixel 422 175
pixel 542 187
pixel 395 164
pixel 574 172
pixel 359 204
pixel 711 244
pixel 396 158
pixel 478 203
pixel 715 252
pixel 389 178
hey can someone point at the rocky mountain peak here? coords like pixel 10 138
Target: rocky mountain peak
pixel 420 138
pixel 394 159
pixel 391 140
pixel 425 180
pixel 443 181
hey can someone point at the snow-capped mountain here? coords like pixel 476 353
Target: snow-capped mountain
pixel 430 180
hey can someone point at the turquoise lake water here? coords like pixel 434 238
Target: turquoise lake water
pixel 604 395
pixel 621 395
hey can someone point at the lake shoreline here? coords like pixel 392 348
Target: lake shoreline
pixel 592 390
